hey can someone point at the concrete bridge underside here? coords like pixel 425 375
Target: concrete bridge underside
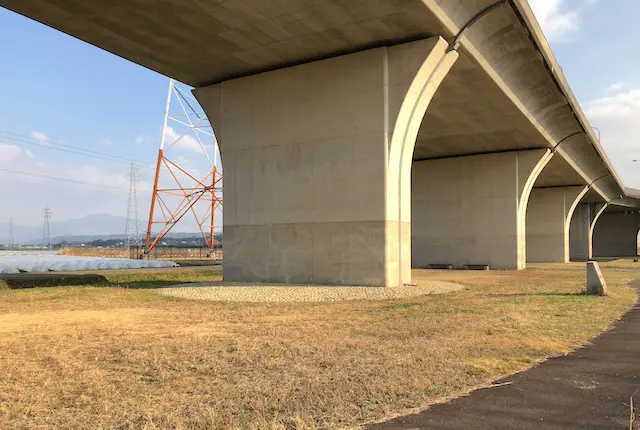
pixel 359 137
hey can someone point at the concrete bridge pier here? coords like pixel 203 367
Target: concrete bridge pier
pixel 615 234
pixel 317 165
pixel 597 232
pixel 583 224
pixel 549 217
pixel 580 248
pixel 470 210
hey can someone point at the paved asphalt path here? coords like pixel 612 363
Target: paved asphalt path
pixel 588 389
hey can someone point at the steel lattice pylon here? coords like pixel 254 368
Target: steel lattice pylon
pixel 46 232
pixel 178 191
pixel 132 230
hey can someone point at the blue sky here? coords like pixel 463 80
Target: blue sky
pixel 61 89
pixel 595 42
pixel 74 92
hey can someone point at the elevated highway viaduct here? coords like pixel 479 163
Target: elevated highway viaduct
pixel 359 137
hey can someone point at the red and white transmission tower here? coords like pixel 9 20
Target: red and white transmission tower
pixel 179 189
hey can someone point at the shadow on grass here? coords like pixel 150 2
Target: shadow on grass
pixel 199 263
pixel 540 294
pixel 143 285
pixel 41 280
pixel 47 280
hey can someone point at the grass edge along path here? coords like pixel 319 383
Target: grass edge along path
pixel 500 380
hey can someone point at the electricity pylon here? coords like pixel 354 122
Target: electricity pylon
pixel 46 231
pixel 132 229
pixel 185 191
pixel 12 239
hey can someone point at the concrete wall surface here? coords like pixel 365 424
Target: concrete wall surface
pixel 579 245
pixel 549 214
pixel 308 153
pixel 471 210
pixel 616 235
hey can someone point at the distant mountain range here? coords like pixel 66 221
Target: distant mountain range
pixel 85 229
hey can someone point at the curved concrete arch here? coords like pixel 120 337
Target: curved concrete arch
pixel 523 202
pixel 567 224
pixel 592 226
pixel 402 143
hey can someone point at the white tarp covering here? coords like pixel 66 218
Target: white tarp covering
pixel 58 263
pixel 28 252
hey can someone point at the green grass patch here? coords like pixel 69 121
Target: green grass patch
pixel 124 279
pixel 626 263
pixel 396 306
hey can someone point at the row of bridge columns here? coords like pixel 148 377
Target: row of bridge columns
pixel 321 186
pixel 598 233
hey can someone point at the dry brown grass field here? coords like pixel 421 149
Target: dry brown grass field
pixel 115 354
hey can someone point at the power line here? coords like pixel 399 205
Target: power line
pixel 36 175
pixel 79 151
pixel 71 149
pixel 50 142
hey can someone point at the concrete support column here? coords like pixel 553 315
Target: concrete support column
pixel 579 243
pixel 616 235
pixel 471 209
pixel 317 165
pixel 549 215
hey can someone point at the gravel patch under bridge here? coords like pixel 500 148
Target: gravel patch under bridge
pixel 263 292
